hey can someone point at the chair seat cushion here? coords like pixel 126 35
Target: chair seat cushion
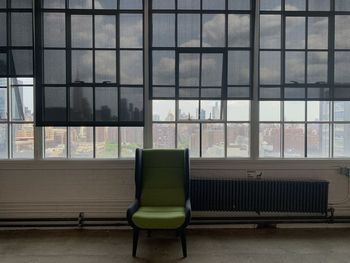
pixel 159 217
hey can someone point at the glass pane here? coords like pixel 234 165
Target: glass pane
pixel 22 141
pixel 210 4
pixel 4 141
pixel 318 140
pixel 188 137
pixel 163 68
pixel 342 32
pixel 341 140
pixel 106 145
pixel 342 5
pixel 239 68
pixel 3 3
pixel 270 31
pixel 238 30
pixel 270 5
pixel 21 4
pixel 3 64
pixel 81 31
pixel 163 92
pixel 212 66
pixel 213 140
pixel 55 104
pixel 131 31
pixel 54 30
pixel 295 67
pixel 54 4
pixel 270 64
pixel 317 67
pixel 213 30
pixel 3 29
pixel 55 142
pixel 342 110
pixel 3 104
pixel 81 66
pixel 318 33
pixel 238 5
pixel 188 109
pixel 163 110
pixel 55 66
pixel 238 110
pixel 294 111
pixel 81 142
pixel 106 104
pixel 105 66
pixel 163 136
pixel 295 5
pixel 130 139
pixel 131 67
pixel 105 32
pixel 188 4
pixel 270 140
pixel 294 140
pixel 163 30
pixel 342 67
pixel 319 5
pixel 80 4
pixel 81 104
pixel 106 4
pixel 21 29
pixel 131 104
pixel 189 64
pixel 318 111
pixel 270 111
pixel 130 4
pixel 188 30
pixel 22 62
pixel 22 103
pixel 295 32
pixel 238 140
pixel 210 110
pixel 163 4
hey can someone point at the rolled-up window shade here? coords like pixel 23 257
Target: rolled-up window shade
pixel 90 63
pixel 16 39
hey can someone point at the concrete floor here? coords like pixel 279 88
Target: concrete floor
pixel 210 245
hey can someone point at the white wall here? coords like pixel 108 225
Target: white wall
pixel 104 188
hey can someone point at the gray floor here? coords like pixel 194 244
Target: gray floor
pixel 214 245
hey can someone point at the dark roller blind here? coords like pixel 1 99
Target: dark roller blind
pixel 201 49
pixel 90 63
pixel 304 50
pixel 16 38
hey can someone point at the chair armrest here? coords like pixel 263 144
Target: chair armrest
pixel 132 208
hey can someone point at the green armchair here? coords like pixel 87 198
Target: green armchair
pixel 162 198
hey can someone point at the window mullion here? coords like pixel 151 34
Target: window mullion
pixel 147 130
pixel 254 108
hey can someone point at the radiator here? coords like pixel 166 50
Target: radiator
pixel 259 195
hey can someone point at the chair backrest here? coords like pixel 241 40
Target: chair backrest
pixel 163 177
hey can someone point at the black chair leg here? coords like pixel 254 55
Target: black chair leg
pixel 135 240
pixel 183 243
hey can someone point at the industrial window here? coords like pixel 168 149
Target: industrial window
pixel 16 80
pixel 226 78
pixel 16 118
pixel 304 83
pixel 202 76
